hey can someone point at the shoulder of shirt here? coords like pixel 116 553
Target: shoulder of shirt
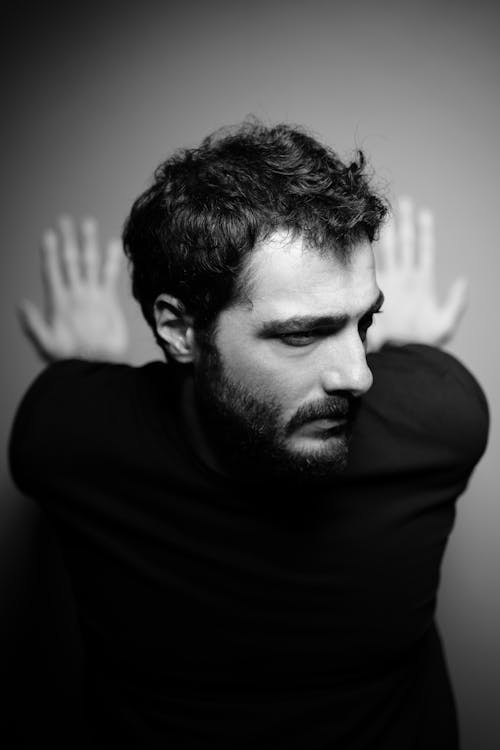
pixel 72 404
pixel 430 362
pixel 432 391
pixel 83 375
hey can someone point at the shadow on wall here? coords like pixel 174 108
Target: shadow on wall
pixel 41 652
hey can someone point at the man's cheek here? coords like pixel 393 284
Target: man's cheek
pixel 245 368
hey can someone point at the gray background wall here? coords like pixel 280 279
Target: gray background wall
pixel 94 96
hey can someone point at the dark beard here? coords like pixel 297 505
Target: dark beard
pixel 248 434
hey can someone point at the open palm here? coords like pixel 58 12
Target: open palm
pixel 406 274
pixel 82 316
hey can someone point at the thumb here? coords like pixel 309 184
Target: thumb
pixel 454 307
pixel 36 329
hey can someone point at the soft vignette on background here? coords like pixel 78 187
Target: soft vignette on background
pixel 94 96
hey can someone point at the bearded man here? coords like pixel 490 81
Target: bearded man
pixel 254 527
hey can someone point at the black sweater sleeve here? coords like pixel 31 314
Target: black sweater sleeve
pixel 57 430
pixel 426 410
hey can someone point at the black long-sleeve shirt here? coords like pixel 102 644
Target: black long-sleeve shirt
pixel 217 613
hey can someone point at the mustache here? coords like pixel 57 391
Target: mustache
pixel 335 407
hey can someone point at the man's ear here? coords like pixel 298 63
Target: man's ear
pixel 175 328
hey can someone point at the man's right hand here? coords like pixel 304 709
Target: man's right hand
pixel 82 317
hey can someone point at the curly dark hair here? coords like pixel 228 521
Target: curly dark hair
pixel 189 234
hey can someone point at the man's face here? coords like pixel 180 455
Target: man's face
pixel 289 363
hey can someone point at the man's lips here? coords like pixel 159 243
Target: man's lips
pixel 333 416
pixel 323 425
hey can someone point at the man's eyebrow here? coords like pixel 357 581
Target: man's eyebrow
pixel 311 322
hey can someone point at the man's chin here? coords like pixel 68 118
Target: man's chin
pixel 307 460
pixel 328 458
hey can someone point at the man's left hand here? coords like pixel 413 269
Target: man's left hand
pixel 406 274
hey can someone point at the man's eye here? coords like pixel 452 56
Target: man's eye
pixel 298 339
pixel 365 324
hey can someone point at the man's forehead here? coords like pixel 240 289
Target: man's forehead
pixel 290 277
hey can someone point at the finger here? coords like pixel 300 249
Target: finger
pixel 36 329
pixel 69 250
pixel 52 276
pixel 386 248
pixel 427 244
pixel 112 262
pixel 406 232
pixel 90 250
pixel 454 307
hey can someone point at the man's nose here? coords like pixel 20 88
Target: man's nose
pixel 346 368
